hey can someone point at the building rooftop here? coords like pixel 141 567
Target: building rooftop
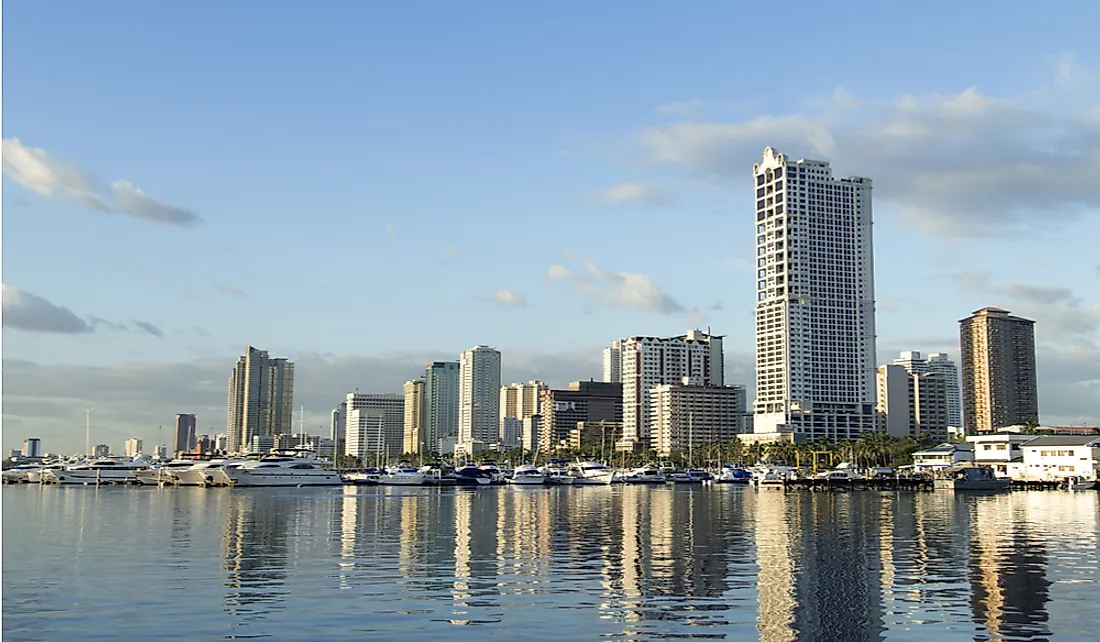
pixel 1063 440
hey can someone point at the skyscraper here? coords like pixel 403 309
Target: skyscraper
pixel 518 401
pixel 374 424
pixel 133 447
pixel 441 405
pixel 479 395
pixel 613 362
pixel 261 398
pixel 998 370
pixel 938 363
pixel 815 300
pixel 184 433
pixel 415 441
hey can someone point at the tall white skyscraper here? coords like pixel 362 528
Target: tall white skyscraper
pixel 815 300
pixel 261 398
pixel 938 363
pixel 479 395
pixel 648 362
pixel 613 362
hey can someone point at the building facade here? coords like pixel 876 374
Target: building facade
pixel 1057 457
pixel 133 447
pixel 185 433
pixel 374 426
pixel 441 383
pixel 261 398
pixel 518 401
pixel 648 362
pixel 911 403
pixel 613 362
pixel 32 448
pixel 336 426
pixel 415 441
pixel 939 363
pixel 686 417
pixel 1000 386
pixel 583 401
pixel 815 300
pixel 479 396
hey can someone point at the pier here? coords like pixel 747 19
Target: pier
pixel 886 483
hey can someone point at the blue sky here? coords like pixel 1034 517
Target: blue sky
pixel 366 179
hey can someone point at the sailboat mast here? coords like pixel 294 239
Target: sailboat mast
pixel 87 432
pixel 691 441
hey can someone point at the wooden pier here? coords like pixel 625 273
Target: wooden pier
pixel 858 484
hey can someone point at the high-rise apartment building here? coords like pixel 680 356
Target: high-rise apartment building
pixel 1000 386
pixel 32 448
pixel 336 426
pixel 440 418
pixel 415 441
pixel 261 398
pixel 815 301
pixel 613 362
pixel 653 361
pixel 133 447
pixel 518 401
pixel 911 403
pixel 686 417
pixel 479 396
pixel 375 425
pixel 583 401
pixel 185 434
pixel 939 363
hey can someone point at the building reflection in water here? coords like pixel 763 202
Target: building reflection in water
pixel 254 544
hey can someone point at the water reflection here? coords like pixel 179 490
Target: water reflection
pixel 552 563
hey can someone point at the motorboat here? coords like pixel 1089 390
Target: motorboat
pixel 471 475
pixel 591 473
pixel 527 475
pixel 557 473
pixel 732 475
pixel 1080 483
pixel 496 474
pixel 402 474
pixel 204 473
pixel 438 475
pixel 35 476
pixel 971 478
pixel 365 477
pixel 163 473
pixel 647 474
pixel 291 467
pixel 20 473
pixel 99 471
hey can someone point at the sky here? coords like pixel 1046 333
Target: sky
pixel 364 187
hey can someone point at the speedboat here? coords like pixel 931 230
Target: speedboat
pixel 527 475
pixel 292 467
pixel 647 474
pixel 591 473
pixel 203 473
pixel 402 475
pixel 164 473
pixel 470 475
pixel 99 471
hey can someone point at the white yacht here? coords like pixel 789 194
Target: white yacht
pixel 591 473
pixel 527 475
pixel 402 475
pixel 293 467
pixel 164 473
pixel 647 474
pixel 202 473
pixel 21 473
pixel 557 474
pixel 100 471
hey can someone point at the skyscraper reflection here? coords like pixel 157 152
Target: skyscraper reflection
pixel 254 544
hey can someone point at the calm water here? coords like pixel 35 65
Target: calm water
pixel 521 564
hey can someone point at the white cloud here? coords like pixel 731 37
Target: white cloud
pixel 682 108
pixel 230 291
pixel 451 250
pixel 635 191
pixel 618 289
pixel 955 165
pixel 36 170
pixel 1069 72
pixel 25 311
pixel 507 297
pixel 391 229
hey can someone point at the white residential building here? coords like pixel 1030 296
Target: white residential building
pixel 938 363
pixel 942 456
pixel 479 396
pixel 133 447
pixel 815 301
pixel 689 416
pixel 648 362
pixel 999 450
pixel 911 404
pixel 613 362
pixel 374 425
pixel 1056 457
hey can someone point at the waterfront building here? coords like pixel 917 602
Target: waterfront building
pixel 943 456
pixel 999 450
pixel 133 447
pixel 518 401
pixel 1000 386
pixel 414 434
pixel 613 362
pixel 582 401
pixel 1056 457
pixel 32 448
pixel 815 301
pixel 185 433
pixel 939 363
pixel 261 398
pixel 375 425
pixel 529 433
pixel 647 362
pixel 479 396
pixel 910 404
pixel 336 426
pixel 441 379
pixel 687 416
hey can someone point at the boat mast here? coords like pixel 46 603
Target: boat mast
pixel 691 426
pixel 87 432
pixel 301 429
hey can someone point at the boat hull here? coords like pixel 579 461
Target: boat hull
pixel 315 477
pixel 971 484
pixel 80 477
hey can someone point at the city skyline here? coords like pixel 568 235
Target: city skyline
pixel 642 180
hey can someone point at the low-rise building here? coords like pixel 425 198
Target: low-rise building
pixel 1055 457
pixel 942 456
pixel 999 450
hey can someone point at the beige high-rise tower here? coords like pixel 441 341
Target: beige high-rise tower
pixel 261 398
pixel 998 370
